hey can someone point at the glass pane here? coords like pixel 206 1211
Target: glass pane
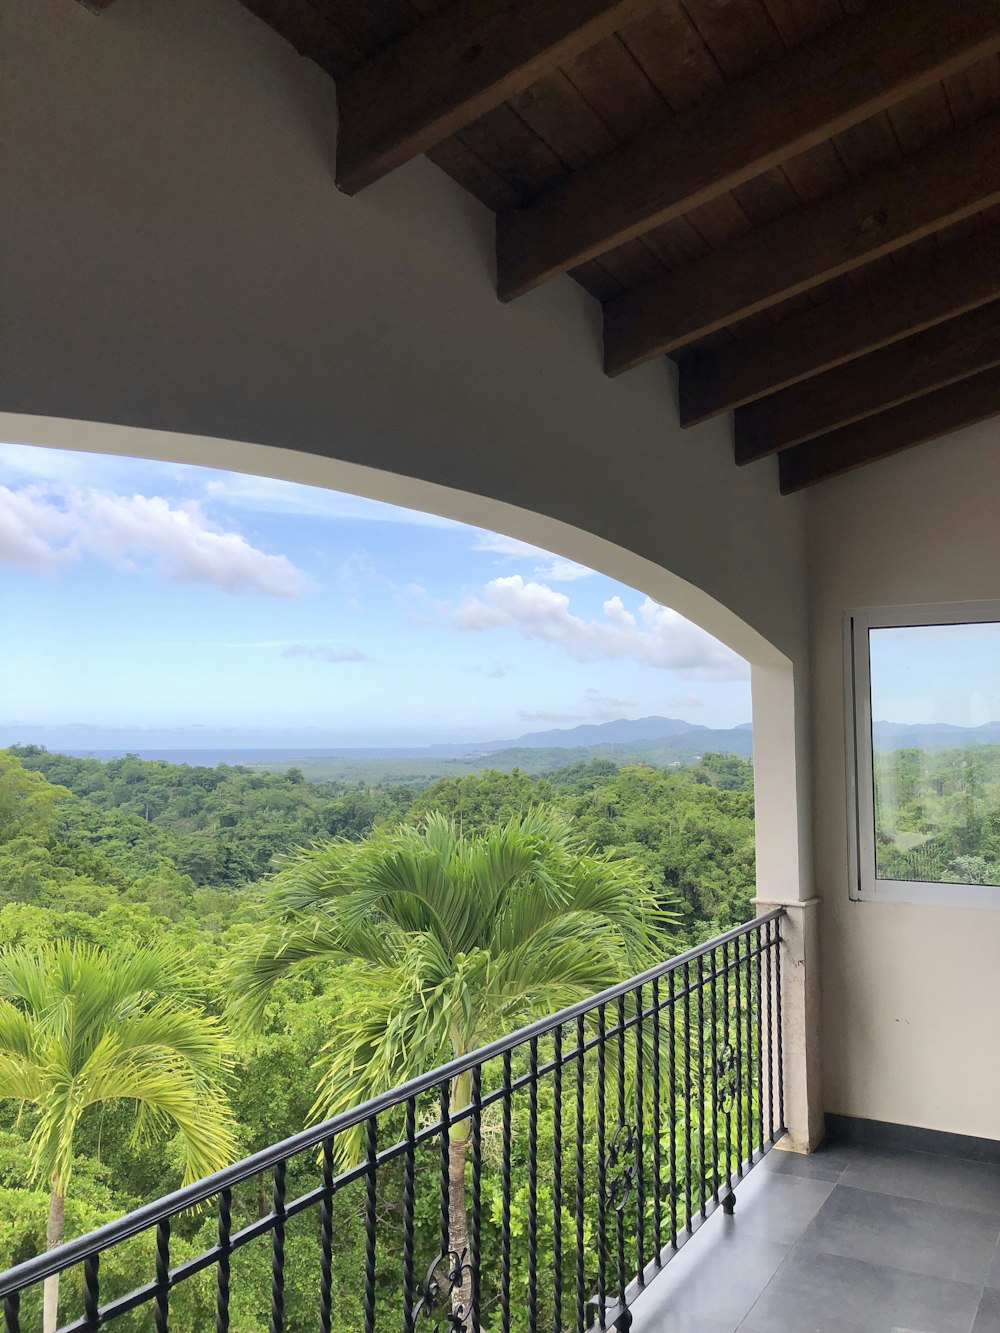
pixel 936 752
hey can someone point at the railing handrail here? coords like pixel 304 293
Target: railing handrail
pixel 74 1251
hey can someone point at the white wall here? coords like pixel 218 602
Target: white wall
pixel 911 995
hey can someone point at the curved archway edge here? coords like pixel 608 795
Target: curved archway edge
pixel 409 492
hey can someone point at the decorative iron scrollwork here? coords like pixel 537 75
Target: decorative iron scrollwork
pixel 446 1274
pixel 728 1079
pixel 620 1165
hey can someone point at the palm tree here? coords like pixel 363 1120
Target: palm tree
pixel 79 1027
pixel 457 939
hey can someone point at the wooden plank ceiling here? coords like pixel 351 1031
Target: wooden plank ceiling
pixel 798 200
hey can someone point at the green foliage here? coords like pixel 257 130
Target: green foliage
pixel 938 815
pixel 134 854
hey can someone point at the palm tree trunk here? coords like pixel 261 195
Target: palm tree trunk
pixel 53 1237
pixel 458 1225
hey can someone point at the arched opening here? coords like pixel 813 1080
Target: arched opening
pixel 781 820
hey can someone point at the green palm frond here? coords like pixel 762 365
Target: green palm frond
pixel 459 939
pixel 80 1027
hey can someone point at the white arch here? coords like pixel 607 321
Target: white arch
pixel 480 511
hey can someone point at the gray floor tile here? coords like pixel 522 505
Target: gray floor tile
pixel 916 1175
pixel 826 1163
pixel 814 1292
pixel 715 1278
pixel 988 1318
pixel 779 1207
pixel 953 1243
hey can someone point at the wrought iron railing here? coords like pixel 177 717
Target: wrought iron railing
pixel 590 1146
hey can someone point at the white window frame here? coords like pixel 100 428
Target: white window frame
pixel 864 887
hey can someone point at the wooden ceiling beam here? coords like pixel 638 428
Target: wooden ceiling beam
pixel 887 209
pixel 849 73
pixel 453 68
pixel 823 336
pixel 896 374
pixel 927 418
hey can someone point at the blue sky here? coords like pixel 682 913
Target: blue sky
pixel 936 673
pixel 186 606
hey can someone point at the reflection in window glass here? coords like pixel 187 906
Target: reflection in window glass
pixel 936 752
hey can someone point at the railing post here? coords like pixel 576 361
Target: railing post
pixel 799 1001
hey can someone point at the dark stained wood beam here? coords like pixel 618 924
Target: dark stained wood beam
pixel 896 374
pixel 910 299
pixel 860 67
pixel 888 433
pixel 453 68
pixel 889 208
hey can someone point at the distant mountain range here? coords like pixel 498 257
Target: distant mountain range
pixel 622 738
pixel 932 735
pixel 623 731
pixel 655 740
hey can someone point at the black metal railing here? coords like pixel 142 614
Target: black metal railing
pixel 539 1183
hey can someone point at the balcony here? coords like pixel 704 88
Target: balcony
pixel 545 1181
pixel 633 1137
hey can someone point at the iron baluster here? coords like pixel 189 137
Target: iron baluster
pixel 618 1158
pixel 771 1039
pixel 409 1198
pixel 687 1098
pixel 657 1122
pixel 371 1185
pixel 672 1106
pixel 702 1110
pixel 602 1174
pixel 581 1184
pixel 161 1317
pixel 533 1185
pixel 748 1017
pixel 326 1241
pixel 557 1180
pixel 713 1051
pixel 759 1031
pixel 92 1289
pixel 738 1033
pixel 505 1199
pixel 12 1313
pixel 727 1072
pixel 640 1111
pixel 278 1250
pixel 777 1034
pixel 476 1153
pixel 224 1229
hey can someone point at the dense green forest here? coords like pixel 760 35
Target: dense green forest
pixel 130 853
pixel 938 814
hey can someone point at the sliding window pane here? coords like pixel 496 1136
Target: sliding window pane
pixel 935 693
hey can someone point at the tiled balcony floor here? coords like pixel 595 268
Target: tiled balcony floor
pixel 849 1240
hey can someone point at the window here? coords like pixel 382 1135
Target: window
pixel 923 697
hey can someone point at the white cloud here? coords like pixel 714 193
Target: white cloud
pixel 491 673
pixel 138 533
pixel 547 566
pixel 686 701
pixel 322 653
pixel 657 637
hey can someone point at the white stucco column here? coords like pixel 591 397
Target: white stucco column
pixel 784 880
